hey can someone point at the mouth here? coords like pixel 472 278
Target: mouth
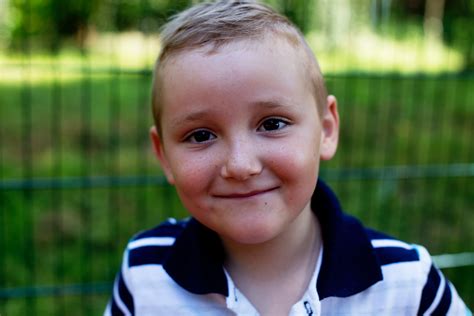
pixel 245 194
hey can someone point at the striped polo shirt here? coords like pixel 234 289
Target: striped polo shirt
pixel 177 269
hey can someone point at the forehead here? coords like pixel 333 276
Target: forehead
pixel 244 59
pixel 235 76
pixel 288 43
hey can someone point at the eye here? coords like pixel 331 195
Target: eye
pixel 272 124
pixel 200 136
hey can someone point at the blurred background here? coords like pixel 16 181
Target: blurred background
pixel 78 178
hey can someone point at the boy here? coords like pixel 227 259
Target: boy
pixel 242 120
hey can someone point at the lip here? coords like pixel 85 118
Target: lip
pixel 245 194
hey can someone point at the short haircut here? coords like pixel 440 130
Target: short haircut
pixel 222 22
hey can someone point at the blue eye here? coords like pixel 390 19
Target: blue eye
pixel 200 136
pixel 272 124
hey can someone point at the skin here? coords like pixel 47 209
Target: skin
pixel 242 141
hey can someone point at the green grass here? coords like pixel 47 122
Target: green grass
pixel 99 125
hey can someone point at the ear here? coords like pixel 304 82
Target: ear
pixel 160 154
pixel 330 129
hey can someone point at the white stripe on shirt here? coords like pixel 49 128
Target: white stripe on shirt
pixel 151 241
pixel 380 243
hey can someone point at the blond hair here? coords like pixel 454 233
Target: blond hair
pixel 221 22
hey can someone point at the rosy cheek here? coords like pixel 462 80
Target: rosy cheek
pixel 295 160
pixel 192 175
pixel 186 176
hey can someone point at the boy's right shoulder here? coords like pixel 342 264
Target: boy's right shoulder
pixel 152 246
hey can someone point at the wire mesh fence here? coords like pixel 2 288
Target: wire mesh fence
pixel 78 178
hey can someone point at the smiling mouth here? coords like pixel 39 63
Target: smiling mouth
pixel 245 195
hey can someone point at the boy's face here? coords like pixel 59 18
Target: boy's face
pixel 242 139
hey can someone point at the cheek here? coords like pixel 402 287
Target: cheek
pixel 297 169
pixel 192 173
pixel 297 162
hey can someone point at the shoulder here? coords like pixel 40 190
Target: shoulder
pixel 410 275
pixel 152 246
pixel 142 285
pixel 391 251
pixel 405 268
pixel 410 284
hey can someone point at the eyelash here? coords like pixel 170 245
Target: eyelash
pixel 277 120
pixel 209 136
pixel 191 138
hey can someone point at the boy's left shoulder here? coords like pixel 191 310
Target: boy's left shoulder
pixel 391 251
pixel 411 277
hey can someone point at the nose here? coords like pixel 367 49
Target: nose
pixel 242 160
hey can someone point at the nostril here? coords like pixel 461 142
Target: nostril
pixel 241 170
pixel 242 160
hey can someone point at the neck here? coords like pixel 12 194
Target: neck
pixel 292 253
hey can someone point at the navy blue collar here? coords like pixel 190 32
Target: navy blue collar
pixel 349 264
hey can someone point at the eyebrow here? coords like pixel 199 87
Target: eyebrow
pixel 272 104
pixel 196 116
pixel 201 115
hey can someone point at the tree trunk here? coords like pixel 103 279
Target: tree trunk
pixel 433 20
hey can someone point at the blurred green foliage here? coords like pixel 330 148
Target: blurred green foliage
pixel 73 122
pixel 49 23
pixel 459 28
pixel 145 16
pixel 457 22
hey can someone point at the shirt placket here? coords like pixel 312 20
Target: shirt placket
pixel 237 302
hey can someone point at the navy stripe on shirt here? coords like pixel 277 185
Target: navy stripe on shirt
pixel 114 310
pixel 147 255
pixel 429 290
pixel 124 294
pixel 390 255
pixel 445 302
